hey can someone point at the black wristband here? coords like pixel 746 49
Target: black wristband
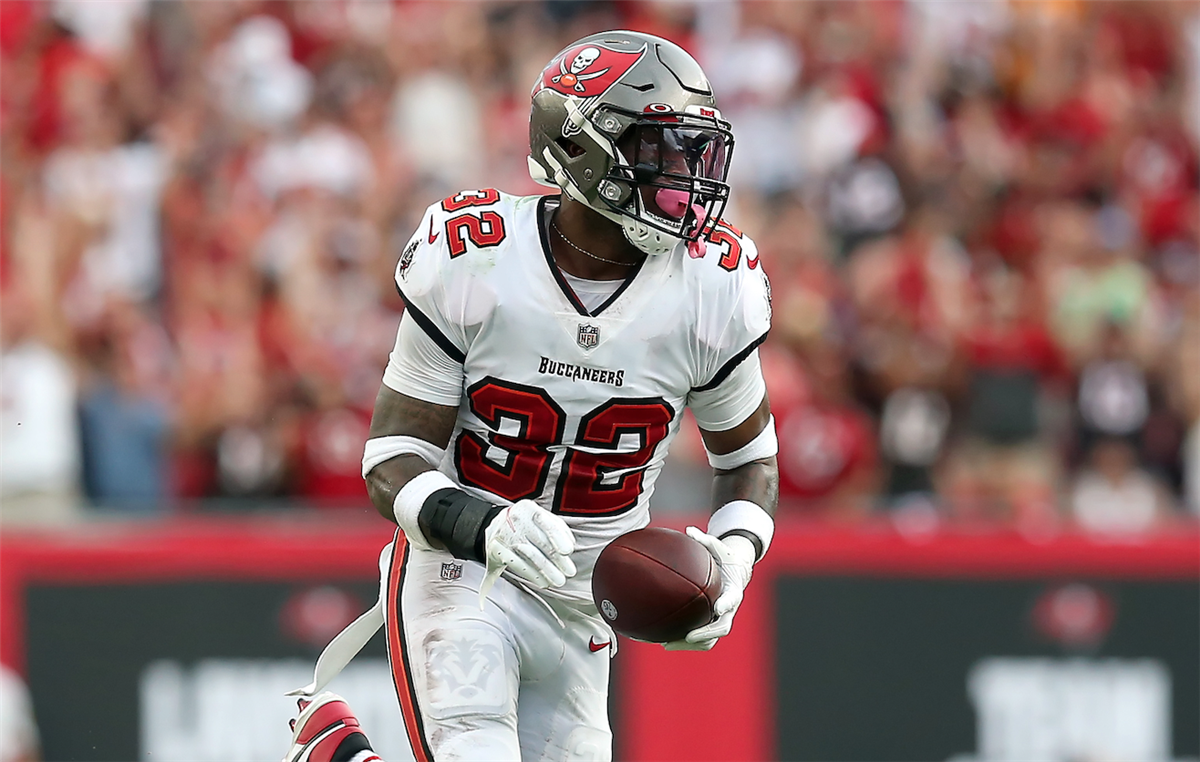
pixel 457 520
pixel 753 538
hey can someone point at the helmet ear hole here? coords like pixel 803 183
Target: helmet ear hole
pixel 571 148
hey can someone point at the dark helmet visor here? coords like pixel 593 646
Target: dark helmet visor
pixel 678 151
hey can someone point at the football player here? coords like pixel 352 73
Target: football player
pixel 541 370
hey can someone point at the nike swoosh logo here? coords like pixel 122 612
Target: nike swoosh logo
pixel 594 646
pixel 432 235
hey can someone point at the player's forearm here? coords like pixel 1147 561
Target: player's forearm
pixel 756 482
pixel 385 480
pixel 744 500
pixel 396 460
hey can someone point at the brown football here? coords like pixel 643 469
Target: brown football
pixel 656 584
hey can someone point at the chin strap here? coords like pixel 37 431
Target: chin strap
pixel 646 238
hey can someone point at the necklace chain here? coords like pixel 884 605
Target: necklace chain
pixel 554 225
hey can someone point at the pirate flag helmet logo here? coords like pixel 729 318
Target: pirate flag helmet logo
pixel 587 70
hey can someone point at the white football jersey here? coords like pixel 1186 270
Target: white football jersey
pixel 571 408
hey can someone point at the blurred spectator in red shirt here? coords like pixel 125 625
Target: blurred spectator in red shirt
pixel 910 294
pixel 329 453
pixel 827 452
pixel 918 276
pixel 1005 466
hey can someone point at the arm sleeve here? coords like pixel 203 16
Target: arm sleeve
pixel 731 401
pixel 419 367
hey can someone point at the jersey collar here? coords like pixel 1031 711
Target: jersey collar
pixel 544 206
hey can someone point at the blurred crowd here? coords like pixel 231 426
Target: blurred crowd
pixel 981 223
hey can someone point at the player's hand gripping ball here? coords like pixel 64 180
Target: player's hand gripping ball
pixel 530 542
pixel 656 584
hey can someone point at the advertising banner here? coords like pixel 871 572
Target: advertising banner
pixel 193 671
pixel 902 669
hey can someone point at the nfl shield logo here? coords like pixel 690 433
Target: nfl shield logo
pixel 589 336
pixel 451 571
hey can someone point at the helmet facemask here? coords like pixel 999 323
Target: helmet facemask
pixel 667 179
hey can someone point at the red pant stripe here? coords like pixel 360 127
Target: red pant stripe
pixel 398 653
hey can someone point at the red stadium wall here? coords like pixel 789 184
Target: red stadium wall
pixel 662 698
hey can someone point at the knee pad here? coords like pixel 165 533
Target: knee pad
pixel 589 739
pixel 588 745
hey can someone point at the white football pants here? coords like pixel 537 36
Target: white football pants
pixel 525 678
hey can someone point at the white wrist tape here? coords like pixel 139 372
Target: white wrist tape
pixel 746 516
pixel 762 446
pixel 407 505
pixel 380 449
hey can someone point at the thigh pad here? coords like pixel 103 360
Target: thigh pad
pixel 467 672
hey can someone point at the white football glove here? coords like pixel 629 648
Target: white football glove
pixel 532 543
pixel 735 558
